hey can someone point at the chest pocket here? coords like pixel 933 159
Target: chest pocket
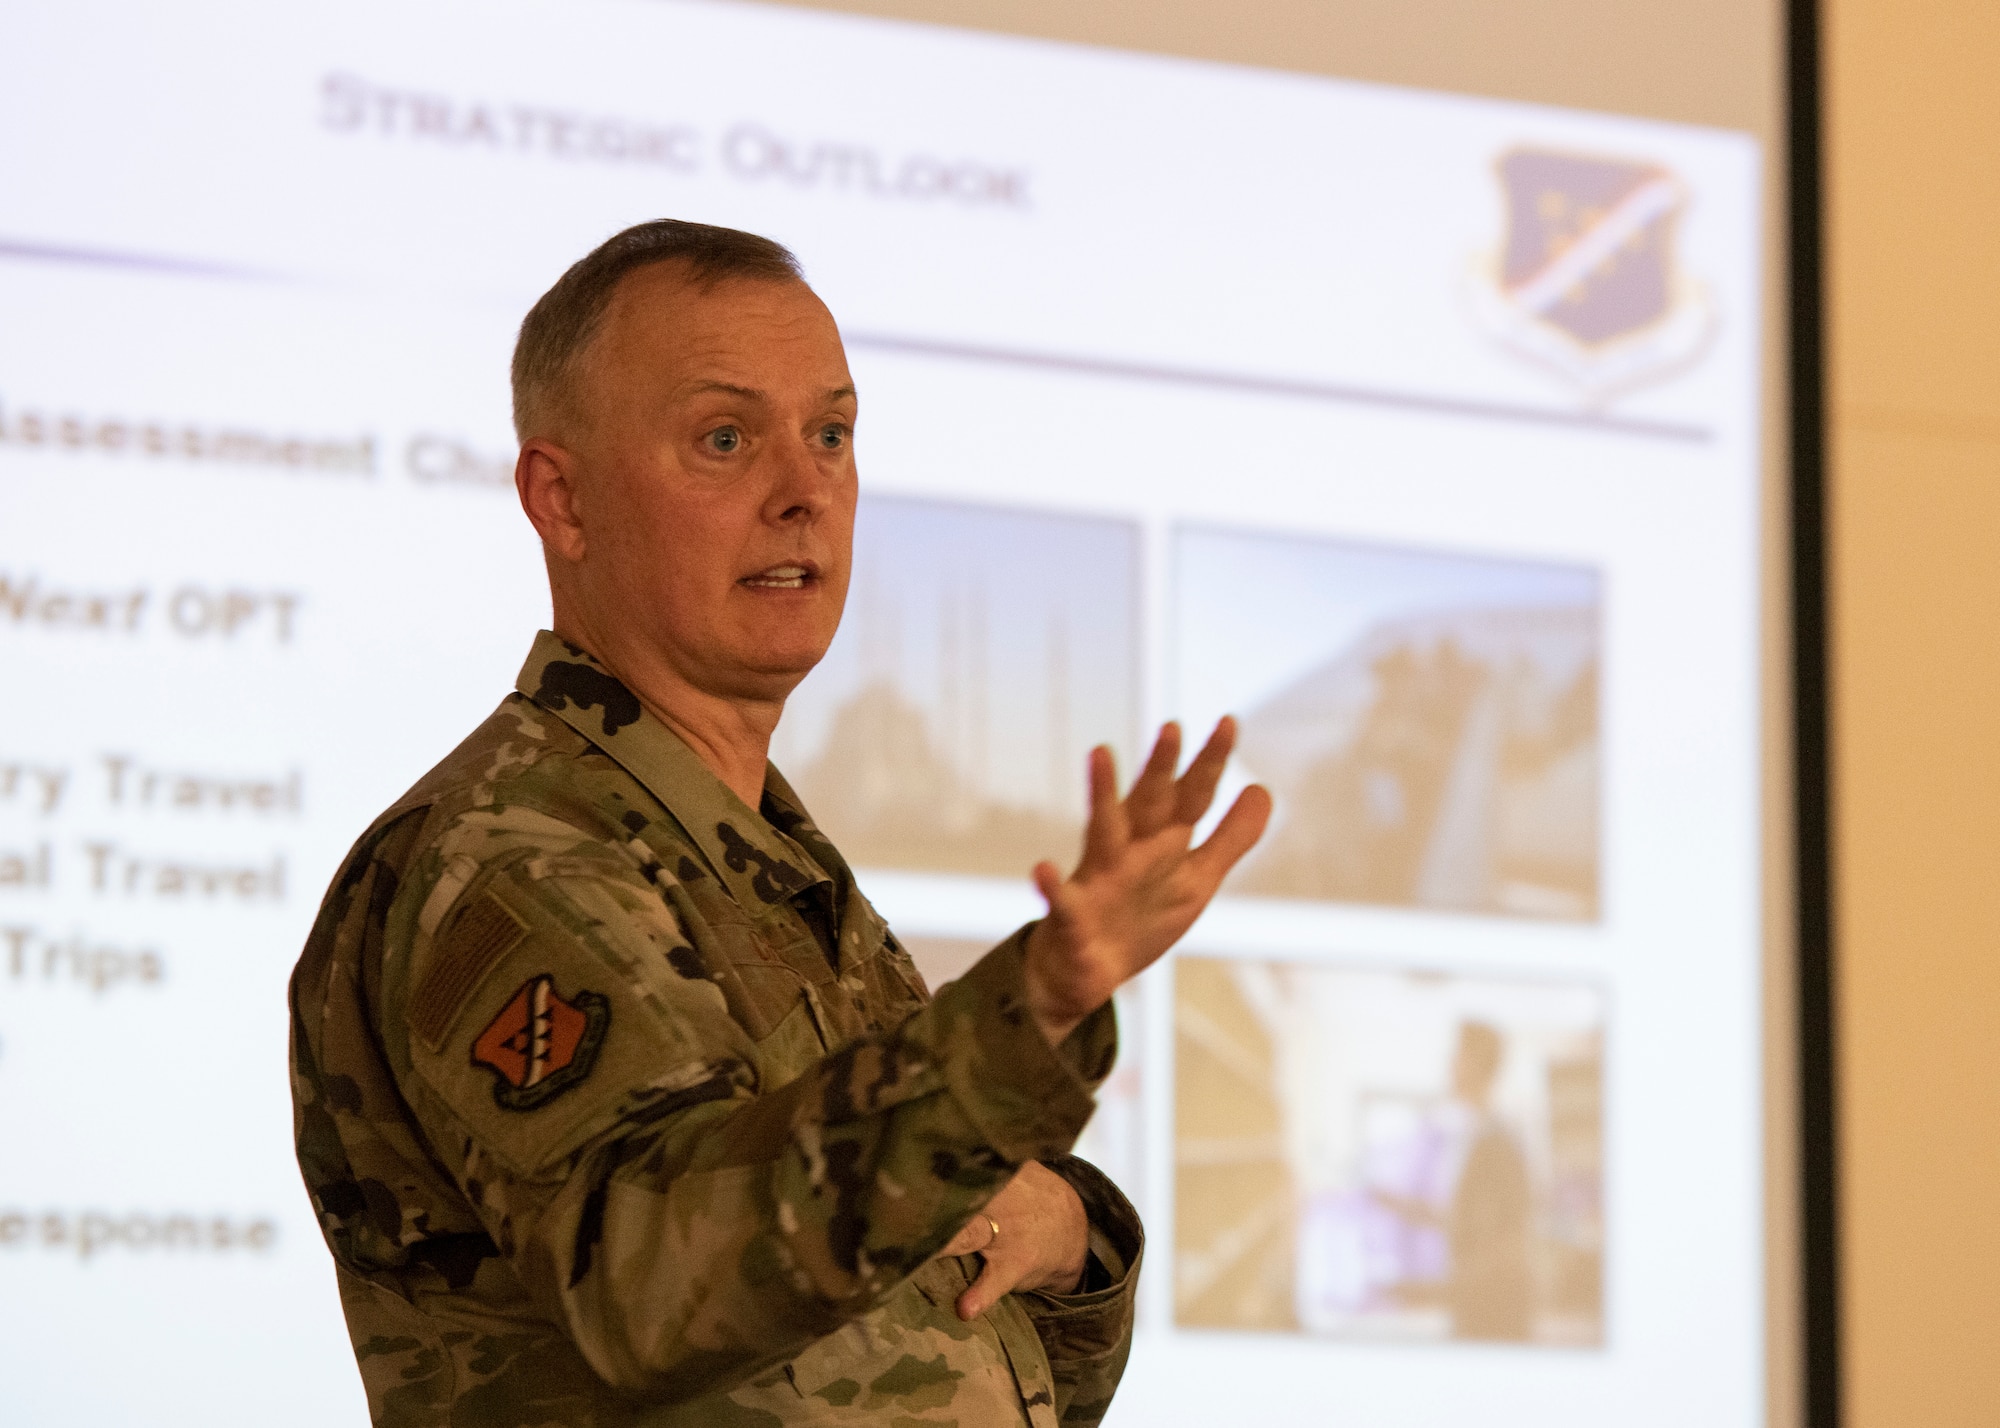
pixel 766 971
pixel 777 982
pixel 879 986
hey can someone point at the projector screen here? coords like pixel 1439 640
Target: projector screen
pixel 1422 432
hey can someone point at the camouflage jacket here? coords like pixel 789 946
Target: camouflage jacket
pixel 618 1104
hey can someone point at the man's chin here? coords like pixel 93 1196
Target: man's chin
pixel 756 661
pixel 773 670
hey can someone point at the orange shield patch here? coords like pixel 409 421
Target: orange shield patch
pixel 541 1043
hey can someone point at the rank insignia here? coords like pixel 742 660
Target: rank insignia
pixel 542 1043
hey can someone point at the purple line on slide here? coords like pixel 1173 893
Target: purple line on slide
pixel 139 262
pixel 1015 357
pixel 1284 387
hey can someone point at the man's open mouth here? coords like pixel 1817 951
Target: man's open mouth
pixel 779 577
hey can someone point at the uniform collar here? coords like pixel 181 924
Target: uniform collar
pixel 757 863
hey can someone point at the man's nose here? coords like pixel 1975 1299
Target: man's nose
pixel 802 486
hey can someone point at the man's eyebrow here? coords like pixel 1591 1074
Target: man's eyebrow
pixel 756 394
pixel 751 393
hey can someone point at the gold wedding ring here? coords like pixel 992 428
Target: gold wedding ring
pixel 994 1225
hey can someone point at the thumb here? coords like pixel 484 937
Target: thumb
pixel 986 1291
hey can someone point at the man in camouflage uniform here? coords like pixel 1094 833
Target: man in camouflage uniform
pixel 617 1102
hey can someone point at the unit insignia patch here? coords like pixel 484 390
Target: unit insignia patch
pixel 542 1043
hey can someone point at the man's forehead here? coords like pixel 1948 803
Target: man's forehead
pixel 733 333
pixel 663 300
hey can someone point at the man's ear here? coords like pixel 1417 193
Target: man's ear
pixel 545 479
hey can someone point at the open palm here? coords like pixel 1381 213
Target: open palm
pixel 1141 882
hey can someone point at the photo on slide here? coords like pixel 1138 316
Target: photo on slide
pixel 1387 1154
pixel 983 652
pixel 1427 722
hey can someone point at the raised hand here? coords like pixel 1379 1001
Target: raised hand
pixel 1140 883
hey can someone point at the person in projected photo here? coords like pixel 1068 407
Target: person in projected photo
pixel 1487 1222
pixel 616 1100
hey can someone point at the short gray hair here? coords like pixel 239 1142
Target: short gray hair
pixel 560 326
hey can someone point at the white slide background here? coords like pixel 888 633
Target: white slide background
pixel 1172 293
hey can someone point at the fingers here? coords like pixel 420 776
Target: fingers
pixel 1005 1264
pixel 1044 1244
pixel 972 1237
pixel 1108 831
pixel 1103 779
pixel 1196 789
pixel 1048 882
pixel 1001 1274
pixel 1234 836
pixel 1150 804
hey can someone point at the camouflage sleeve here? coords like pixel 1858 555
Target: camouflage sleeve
pixel 688 1226
pixel 1088 1335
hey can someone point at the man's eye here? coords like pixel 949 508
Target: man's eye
pixel 833 436
pixel 725 438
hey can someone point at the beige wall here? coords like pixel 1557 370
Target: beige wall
pixel 1914 217
pixel 1701 61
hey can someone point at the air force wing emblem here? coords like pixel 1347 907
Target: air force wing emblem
pixel 541 1043
pixel 1586 279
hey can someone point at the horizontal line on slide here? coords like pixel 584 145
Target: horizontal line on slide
pixel 1268 386
pixel 144 262
pixel 1281 387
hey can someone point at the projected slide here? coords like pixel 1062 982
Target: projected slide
pixel 1420 432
